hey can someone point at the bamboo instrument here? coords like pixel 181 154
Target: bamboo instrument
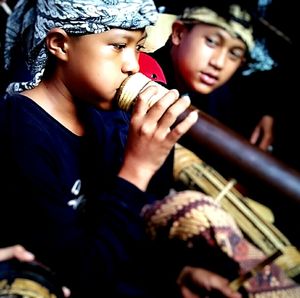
pixel 209 134
pixel 255 220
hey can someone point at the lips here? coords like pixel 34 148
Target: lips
pixel 208 79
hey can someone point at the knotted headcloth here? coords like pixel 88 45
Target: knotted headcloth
pixel 237 21
pixel 32 19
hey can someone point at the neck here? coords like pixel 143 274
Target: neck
pixel 57 101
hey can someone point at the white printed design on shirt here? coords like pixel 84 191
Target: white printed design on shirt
pixel 76 191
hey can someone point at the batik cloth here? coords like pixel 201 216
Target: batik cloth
pixel 190 216
pixel 31 20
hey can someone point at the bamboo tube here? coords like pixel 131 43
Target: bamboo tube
pixel 209 135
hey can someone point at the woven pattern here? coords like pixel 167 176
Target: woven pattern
pixel 190 214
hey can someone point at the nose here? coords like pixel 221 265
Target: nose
pixel 131 63
pixel 218 59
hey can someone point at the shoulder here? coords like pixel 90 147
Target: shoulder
pixel 19 110
pixel 22 119
pixel 8 104
pixel 16 102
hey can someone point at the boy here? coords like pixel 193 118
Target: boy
pixel 78 171
pixel 209 42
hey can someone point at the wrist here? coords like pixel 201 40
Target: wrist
pixel 138 177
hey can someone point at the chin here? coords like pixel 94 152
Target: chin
pixel 105 106
pixel 204 89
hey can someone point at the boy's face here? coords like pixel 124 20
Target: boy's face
pixel 98 63
pixel 204 56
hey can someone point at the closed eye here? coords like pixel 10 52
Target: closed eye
pixel 211 42
pixel 237 54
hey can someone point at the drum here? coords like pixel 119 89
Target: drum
pixel 29 280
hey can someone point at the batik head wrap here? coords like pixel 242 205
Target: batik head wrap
pixel 234 19
pixel 31 20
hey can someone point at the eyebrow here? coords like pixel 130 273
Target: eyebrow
pixel 222 33
pixel 128 36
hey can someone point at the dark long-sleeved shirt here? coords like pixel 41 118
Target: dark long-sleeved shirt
pixel 61 198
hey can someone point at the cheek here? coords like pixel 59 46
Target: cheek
pixel 98 72
pixel 197 55
pixel 94 83
pixel 229 71
pixel 188 56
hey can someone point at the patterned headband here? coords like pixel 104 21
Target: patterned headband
pixel 237 25
pixel 32 19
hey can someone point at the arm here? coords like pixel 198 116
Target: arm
pixel 152 134
pixel 43 165
pixel 83 247
pixel 41 168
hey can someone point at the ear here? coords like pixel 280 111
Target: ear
pixel 57 42
pixel 178 29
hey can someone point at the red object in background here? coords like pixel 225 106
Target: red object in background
pixel 150 68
